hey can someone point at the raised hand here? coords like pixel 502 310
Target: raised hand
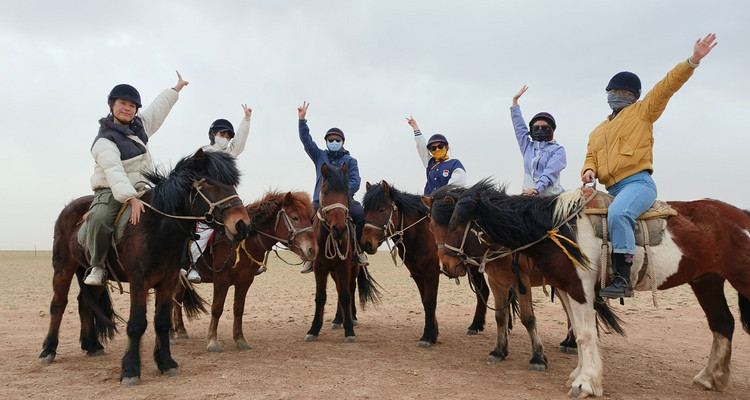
pixel 518 95
pixel 181 83
pixel 410 120
pixel 703 47
pixel 302 111
pixel 248 111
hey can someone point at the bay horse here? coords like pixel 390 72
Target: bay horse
pixel 278 217
pixel 149 255
pixel 704 245
pixel 506 280
pixel 336 235
pixel 402 218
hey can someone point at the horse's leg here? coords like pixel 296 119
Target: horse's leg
pixel 428 288
pixel 568 345
pixel 221 287
pixel 178 324
pixel 162 314
pixel 240 293
pixel 586 379
pixel 482 293
pixel 709 289
pixel 321 280
pixel 500 293
pixel 61 287
pixel 131 361
pixel 89 334
pixel 346 303
pixel 528 319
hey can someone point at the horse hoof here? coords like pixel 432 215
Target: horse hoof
pixel 311 338
pixel 172 341
pixel 244 346
pixel 577 393
pixel 47 360
pixel 132 381
pixel 183 335
pixel 214 348
pixel 171 372
pixel 568 350
pixel 355 322
pixel 97 353
pixel 423 344
pixel 335 326
pixel 471 332
pixel 350 339
pixel 537 367
pixel 494 359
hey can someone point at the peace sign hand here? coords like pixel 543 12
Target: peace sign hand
pixel 302 111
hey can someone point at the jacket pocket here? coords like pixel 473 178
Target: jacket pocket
pixel 101 197
pixel 625 147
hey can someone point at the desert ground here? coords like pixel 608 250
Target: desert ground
pixel 664 349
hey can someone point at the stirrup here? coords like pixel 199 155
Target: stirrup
pixel 307 267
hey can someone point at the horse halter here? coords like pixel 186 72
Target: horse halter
pixel 221 205
pixel 388 227
pixel 332 246
pixel 389 232
pixel 479 261
pixel 293 231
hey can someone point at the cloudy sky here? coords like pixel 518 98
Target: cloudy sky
pixel 364 66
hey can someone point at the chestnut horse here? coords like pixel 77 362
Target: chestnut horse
pixel 336 235
pixel 283 218
pixel 402 218
pixel 505 279
pixel 705 245
pixel 149 255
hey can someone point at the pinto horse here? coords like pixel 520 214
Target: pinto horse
pixel 404 219
pixel 705 245
pixel 283 218
pixel 336 234
pixel 149 255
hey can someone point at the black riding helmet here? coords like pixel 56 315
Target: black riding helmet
pixel 125 92
pixel 220 125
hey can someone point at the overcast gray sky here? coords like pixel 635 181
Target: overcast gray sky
pixel 364 66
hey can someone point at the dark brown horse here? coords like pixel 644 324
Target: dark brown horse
pixel 200 187
pixel 337 239
pixel 283 218
pixel 706 244
pixel 402 218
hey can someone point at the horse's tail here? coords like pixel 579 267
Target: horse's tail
pixel 368 288
pixel 606 317
pixel 744 311
pixel 193 303
pixel 101 307
pixel 514 307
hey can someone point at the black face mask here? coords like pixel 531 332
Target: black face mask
pixel 541 133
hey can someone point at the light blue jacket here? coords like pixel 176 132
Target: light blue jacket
pixel 542 161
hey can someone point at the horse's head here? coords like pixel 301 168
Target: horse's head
pixel 381 213
pixel 333 211
pixel 442 205
pixel 292 225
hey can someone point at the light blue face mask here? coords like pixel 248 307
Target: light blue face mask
pixel 334 146
pixel 618 101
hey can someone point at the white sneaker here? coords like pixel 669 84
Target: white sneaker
pixel 306 267
pixel 362 260
pixel 96 277
pixel 260 270
pixel 193 276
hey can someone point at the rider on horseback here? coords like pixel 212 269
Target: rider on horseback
pixel 121 154
pixel 620 157
pixel 441 170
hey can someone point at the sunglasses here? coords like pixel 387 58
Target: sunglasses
pixel 541 128
pixel 331 140
pixel 435 147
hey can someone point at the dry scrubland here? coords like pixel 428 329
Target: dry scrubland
pixel 664 348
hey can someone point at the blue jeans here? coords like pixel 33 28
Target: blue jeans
pixel 633 196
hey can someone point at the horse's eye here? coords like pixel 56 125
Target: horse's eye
pixel 295 219
pixel 382 210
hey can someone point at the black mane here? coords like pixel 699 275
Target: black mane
pixel 337 180
pixel 442 207
pixel 408 204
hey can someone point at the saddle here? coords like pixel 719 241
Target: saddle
pixel 121 221
pixel 649 228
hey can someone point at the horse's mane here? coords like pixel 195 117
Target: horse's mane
pixel 267 206
pixel 409 204
pixel 170 189
pixel 337 180
pixel 442 209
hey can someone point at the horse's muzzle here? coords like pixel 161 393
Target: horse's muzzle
pixel 242 230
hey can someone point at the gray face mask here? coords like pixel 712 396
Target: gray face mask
pixel 619 101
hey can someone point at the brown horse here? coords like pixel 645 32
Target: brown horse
pixel 705 245
pixel 336 235
pixel 402 218
pixel 283 218
pixel 149 255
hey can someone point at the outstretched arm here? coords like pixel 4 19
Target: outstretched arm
pixel 702 48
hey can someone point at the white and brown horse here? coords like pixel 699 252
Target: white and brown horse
pixel 706 244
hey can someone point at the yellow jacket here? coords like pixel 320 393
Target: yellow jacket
pixel 621 147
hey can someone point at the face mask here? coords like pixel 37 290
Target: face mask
pixel 222 142
pixel 439 154
pixel 619 101
pixel 541 133
pixel 334 146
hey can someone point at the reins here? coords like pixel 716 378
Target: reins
pixel 389 233
pixel 332 247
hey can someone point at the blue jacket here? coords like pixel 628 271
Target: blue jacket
pixel 439 173
pixel 336 158
pixel 542 161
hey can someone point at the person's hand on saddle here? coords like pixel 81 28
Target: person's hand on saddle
pixel 530 192
pixel 302 111
pixel 410 120
pixel 588 177
pixel 518 95
pixel 181 83
pixel 136 208
pixel 703 47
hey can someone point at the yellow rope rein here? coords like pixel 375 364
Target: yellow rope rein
pixel 237 258
pixel 555 237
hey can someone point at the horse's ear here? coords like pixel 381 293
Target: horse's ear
pixel 324 170
pixel 449 200
pixel 385 187
pixel 288 198
pixel 367 186
pixel 199 154
pixel 427 200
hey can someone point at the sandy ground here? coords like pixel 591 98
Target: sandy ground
pixel 663 350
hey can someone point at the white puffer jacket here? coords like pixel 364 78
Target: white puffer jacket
pixel 121 175
pixel 237 145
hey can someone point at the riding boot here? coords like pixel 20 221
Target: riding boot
pixel 620 285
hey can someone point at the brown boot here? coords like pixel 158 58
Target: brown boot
pixel 620 285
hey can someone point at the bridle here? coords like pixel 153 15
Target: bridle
pixel 389 231
pixel 209 218
pixel 293 231
pixel 332 247
pixel 479 261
